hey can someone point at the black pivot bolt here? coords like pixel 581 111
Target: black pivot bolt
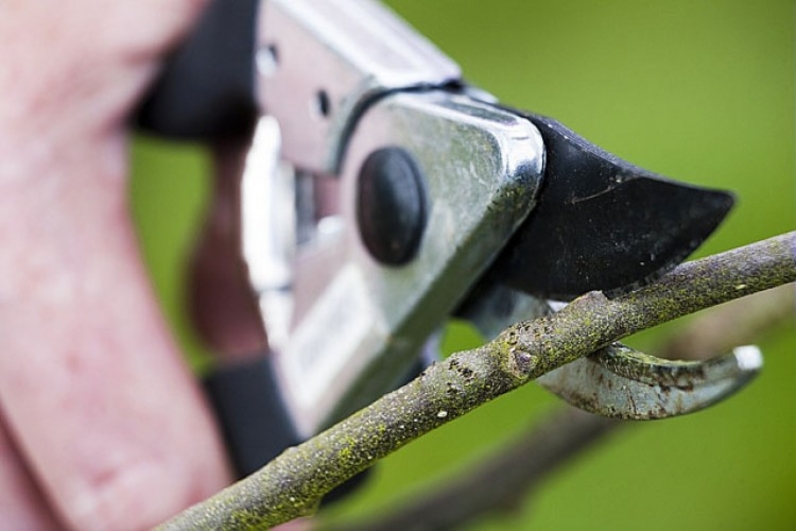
pixel 391 205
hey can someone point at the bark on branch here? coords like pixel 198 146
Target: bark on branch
pixel 292 484
pixel 522 465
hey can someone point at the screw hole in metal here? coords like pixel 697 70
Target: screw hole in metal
pixel 267 60
pixel 323 105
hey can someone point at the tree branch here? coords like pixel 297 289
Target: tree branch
pixel 727 326
pixel 523 464
pixel 292 484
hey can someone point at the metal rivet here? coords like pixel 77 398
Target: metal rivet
pixel 391 205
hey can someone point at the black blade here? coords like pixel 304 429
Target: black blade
pixel 602 223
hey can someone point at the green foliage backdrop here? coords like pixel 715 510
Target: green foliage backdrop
pixel 702 91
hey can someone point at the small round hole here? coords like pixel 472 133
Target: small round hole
pixel 322 103
pixel 274 51
pixel 267 60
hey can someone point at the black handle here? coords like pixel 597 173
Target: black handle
pixel 252 415
pixel 206 91
pixel 253 419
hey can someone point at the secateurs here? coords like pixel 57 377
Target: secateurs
pixel 383 194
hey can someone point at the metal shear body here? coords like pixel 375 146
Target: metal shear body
pixel 383 194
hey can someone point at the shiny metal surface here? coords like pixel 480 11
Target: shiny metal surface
pixel 320 62
pixel 344 78
pixel 620 382
pixel 268 228
pixel 357 324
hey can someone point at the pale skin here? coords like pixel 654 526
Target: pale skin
pixel 102 425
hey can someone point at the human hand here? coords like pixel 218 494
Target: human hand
pixel 101 424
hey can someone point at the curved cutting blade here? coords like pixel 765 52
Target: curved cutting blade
pixel 602 223
pixel 620 382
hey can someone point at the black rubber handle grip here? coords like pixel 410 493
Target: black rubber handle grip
pixel 253 419
pixel 251 414
pixel 206 91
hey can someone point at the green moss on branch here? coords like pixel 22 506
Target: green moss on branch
pixel 293 483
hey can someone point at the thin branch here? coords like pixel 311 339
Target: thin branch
pixel 510 474
pixel 522 465
pixel 292 484
pixel 727 326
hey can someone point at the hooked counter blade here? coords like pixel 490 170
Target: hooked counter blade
pixel 620 382
pixel 602 223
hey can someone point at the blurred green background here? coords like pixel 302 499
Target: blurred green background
pixel 702 91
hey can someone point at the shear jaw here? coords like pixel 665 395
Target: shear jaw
pixel 354 322
pixel 618 381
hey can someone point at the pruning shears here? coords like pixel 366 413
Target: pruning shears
pixel 382 194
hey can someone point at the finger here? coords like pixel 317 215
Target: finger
pixel 79 67
pixel 94 390
pixel 93 387
pixel 22 506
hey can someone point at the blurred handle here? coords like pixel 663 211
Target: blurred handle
pixel 254 421
pixel 252 417
pixel 206 91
